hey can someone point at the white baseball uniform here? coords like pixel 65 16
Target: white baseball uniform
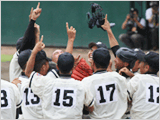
pixel 31 105
pixel 10 100
pixel 110 93
pixel 14 68
pixel 144 92
pixel 62 97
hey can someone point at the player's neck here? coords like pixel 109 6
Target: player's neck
pixel 99 69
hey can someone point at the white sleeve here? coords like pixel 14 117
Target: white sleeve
pixel 37 83
pixel 132 86
pixel 17 96
pixel 148 13
pixel 89 99
pixel 14 68
pixel 143 22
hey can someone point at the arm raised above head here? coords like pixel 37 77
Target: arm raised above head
pixel 71 32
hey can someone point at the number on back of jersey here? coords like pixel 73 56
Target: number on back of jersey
pixel 152 93
pixel 106 93
pixel 30 99
pixel 64 97
pixel 5 99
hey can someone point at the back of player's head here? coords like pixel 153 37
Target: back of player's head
pixel 127 55
pixel 40 60
pixel 101 57
pixel 19 43
pixel 65 62
pixel 23 58
pixel 140 54
pixel 152 59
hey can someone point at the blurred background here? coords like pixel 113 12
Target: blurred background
pixel 55 14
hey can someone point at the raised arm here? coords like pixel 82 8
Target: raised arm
pixel 29 36
pixel 106 26
pixel 31 62
pixel 71 37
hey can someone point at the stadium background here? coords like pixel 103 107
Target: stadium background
pixel 14 21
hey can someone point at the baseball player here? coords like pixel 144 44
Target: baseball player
pixel 119 63
pixel 93 46
pixel 62 97
pixel 25 42
pixel 108 88
pixel 31 105
pixel 10 100
pixel 144 89
pixel 140 54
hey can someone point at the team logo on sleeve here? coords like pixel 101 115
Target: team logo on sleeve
pixel 38 74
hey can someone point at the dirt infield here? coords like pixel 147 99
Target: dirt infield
pixel 9 50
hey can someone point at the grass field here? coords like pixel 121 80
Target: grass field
pixel 5 58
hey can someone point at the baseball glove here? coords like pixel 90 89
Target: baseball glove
pixel 81 70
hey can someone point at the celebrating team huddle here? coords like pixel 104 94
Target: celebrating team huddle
pixel 49 88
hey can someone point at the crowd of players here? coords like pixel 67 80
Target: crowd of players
pixel 43 88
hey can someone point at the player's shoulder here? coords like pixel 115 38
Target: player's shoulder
pixel 116 75
pixel 144 78
pixel 8 85
pixel 52 73
pixel 90 78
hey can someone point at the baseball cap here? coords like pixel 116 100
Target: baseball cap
pixel 98 44
pixel 127 55
pixel 140 54
pixel 152 59
pixel 101 56
pixel 19 43
pixel 65 62
pixel 24 56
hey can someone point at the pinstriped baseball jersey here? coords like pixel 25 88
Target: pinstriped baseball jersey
pixel 10 100
pixel 110 92
pixel 62 97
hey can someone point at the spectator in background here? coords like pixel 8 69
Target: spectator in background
pixel 135 30
pixel 152 16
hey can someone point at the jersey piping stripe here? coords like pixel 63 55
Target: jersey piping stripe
pixel 54 74
pixel 129 95
pixel 31 80
pixel 17 53
pixel 19 103
pixel 91 103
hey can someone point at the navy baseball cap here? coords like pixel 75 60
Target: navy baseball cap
pixel 98 44
pixel 140 54
pixel 19 43
pixel 102 57
pixel 24 56
pixel 127 55
pixel 65 62
pixel 152 59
